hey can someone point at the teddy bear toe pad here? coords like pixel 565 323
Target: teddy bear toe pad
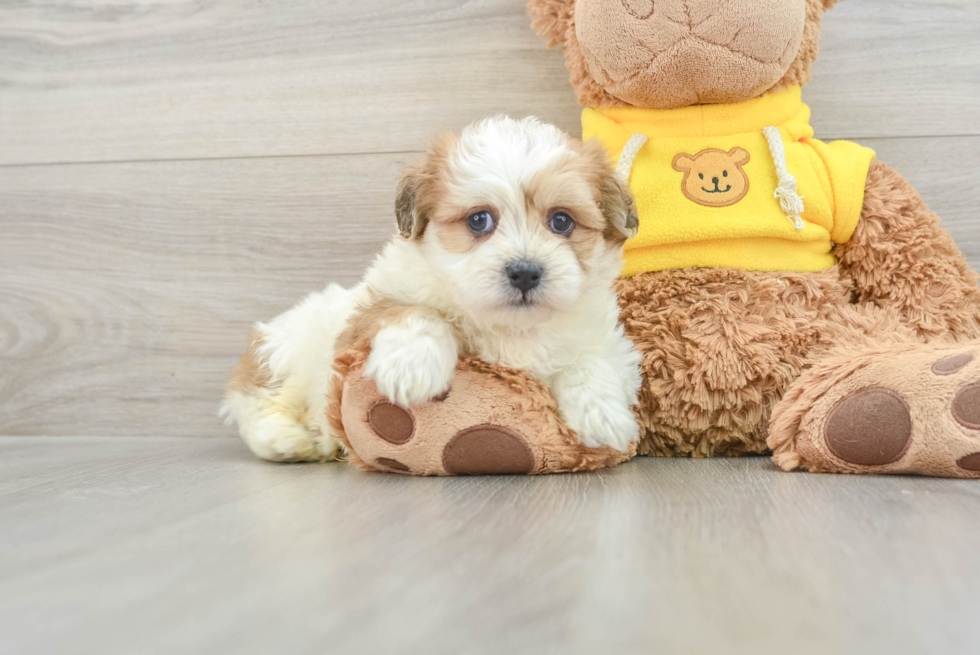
pixel 916 410
pixel 966 407
pixel 391 422
pixel 487 449
pixel 952 364
pixel 870 427
pixel 387 462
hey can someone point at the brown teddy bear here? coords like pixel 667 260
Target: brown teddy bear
pixel 787 295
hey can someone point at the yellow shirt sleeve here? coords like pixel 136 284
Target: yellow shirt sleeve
pixel 846 168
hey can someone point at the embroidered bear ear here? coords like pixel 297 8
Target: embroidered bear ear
pixel 740 156
pixel 685 162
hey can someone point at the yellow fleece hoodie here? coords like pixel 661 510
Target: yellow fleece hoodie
pixel 706 182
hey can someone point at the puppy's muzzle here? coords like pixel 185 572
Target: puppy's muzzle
pixel 524 275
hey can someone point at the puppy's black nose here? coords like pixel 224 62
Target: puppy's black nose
pixel 524 275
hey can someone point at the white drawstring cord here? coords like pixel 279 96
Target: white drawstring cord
pixel 790 201
pixel 630 150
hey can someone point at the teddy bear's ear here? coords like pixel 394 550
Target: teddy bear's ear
pixel 739 156
pixel 410 223
pixel 551 19
pixel 683 162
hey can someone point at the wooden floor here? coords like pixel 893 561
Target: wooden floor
pixel 192 546
pixel 171 172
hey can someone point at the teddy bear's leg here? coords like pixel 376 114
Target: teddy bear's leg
pixel 900 257
pixel 896 406
pixel 492 420
pixel 720 348
pixel 899 392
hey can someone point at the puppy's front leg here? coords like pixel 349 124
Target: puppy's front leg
pixel 413 357
pixel 594 398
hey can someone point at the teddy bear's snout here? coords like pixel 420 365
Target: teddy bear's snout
pixel 644 53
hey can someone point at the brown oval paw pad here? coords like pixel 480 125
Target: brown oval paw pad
pixel 487 450
pixel 391 422
pixel 966 407
pixel 392 464
pixel 870 427
pixel 952 364
pixel 970 462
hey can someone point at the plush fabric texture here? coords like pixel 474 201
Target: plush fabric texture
pixel 901 257
pixel 692 52
pixel 882 410
pixel 493 420
pixel 682 52
pixel 691 164
pixel 722 347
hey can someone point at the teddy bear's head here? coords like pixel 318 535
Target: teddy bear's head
pixel 664 54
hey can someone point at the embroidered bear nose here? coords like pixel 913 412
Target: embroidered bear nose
pixel 714 180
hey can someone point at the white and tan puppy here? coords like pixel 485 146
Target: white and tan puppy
pixel 511 239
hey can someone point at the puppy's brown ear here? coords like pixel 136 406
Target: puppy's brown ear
pixel 410 222
pixel 619 207
pixel 612 192
pixel 551 19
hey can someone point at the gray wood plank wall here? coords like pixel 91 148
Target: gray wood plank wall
pixel 172 172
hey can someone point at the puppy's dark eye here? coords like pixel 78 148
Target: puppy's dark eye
pixel 561 223
pixel 480 223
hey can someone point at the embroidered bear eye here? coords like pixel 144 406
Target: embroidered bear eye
pixel 725 173
pixel 701 175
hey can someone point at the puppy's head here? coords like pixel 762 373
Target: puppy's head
pixel 516 218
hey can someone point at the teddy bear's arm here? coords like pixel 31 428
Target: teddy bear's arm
pixel 900 256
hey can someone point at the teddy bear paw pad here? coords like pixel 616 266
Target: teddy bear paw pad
pixel 966 407
pixel 870 427
pixel 970 462
pixel 487 449
pixel 912 409
pixel 952 364
pixel 391 422
pixel 393 464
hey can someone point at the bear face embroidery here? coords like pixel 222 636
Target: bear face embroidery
pixel 714 178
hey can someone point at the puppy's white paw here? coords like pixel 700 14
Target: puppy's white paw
pixel 599 425
pixel 598 412
pixel 410 366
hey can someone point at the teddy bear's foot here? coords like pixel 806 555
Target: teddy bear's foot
pixel 908 408
pixel 493 420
